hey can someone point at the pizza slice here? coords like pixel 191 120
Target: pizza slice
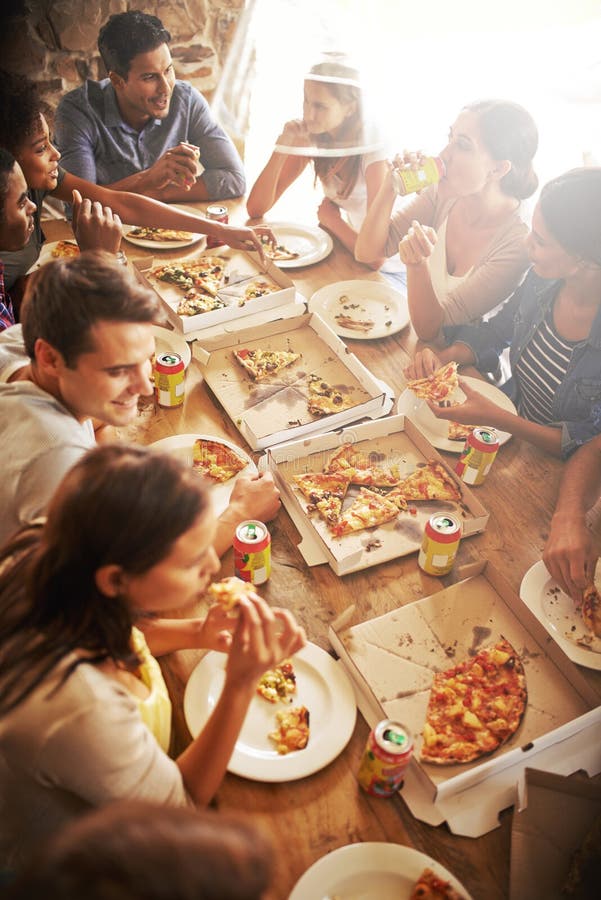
pixel 430 481
pixel 278 684
pixel 193 303
pixel 292 732
pixel 263 363
pixel 65 250
pixel 280 251
pixel 206 273
pixel 325 399
pixel 475 706
pixel 229 591
pixel 216 461
pixel 438 386
pixel 324 492
pixel 430 887
pixel 257 288
pixel 367 511
pixel 363 325
pixel 591 610
pixel 459 432
pixel 148 233
pixel 361 469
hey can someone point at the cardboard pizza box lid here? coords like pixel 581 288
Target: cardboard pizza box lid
pixel 275 410
pixel 241 268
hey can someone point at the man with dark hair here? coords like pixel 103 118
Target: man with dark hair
pixel 16 223
pixel 140 129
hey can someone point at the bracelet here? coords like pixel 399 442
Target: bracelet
pixel 121 257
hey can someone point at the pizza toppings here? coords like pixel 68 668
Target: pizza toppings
pixel 278 684
pixel 474 707
pixel 229 591
pixel 160 234
pixel 360 468
pixel 430 887
pixel 438 386
pixel 262 363
pixel 324 492
pixel 292 732
pixel 325 399
pixel 206 273
pixel 278 252
pixel 591 610
pixel 65 249
pixel 367 511
pixel 216 461
pixel 430 481
pixel 257 288
pixel 194 302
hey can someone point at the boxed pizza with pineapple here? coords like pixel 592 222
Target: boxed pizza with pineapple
pixel 436 660
pixel 289 378
pixel 362 496
pixel 215 287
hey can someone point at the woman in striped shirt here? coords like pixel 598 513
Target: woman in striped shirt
pixel 552 325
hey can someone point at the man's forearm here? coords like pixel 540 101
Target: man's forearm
pixel 580 484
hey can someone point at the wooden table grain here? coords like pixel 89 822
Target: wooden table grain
pixel 310 817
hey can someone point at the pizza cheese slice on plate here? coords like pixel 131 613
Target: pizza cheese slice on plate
pixel 430 481
pixel 430 887
pixel 278 252
pixel 292 732
pixel 278 683
pixel 591 610
pixel 360 468
pixel 216 461
pixel 325 493
pixel 148 233
pixel 438 386
pixel 475 706
pixel 262 363
pixel 207 273
pixel 368 510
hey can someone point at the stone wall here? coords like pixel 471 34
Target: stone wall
pixel 54 42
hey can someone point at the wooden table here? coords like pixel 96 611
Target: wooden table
pixel 308 818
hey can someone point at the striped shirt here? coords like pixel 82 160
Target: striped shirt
pixel 540 371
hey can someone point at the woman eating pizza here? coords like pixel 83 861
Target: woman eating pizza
pixel 332 119
pixel 552 325
pixel 24 132
pixel 463 239
pixel 84 713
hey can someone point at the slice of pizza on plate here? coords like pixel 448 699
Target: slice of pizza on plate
pixel 367 511
pixel 475 706
pixel 263 363
pixel 325 492
pixel 278 684
pixel 591 610
pixel 216 461
pixel 438 386
pixel 430 887
pixel 361 468
pixel 292 732
pixel 429 481
pixel 65 249
pixel 150 233
pixel 280 251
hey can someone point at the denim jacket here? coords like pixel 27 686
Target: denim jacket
pixel 577 401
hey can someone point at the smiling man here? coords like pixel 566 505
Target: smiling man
pixel 140 129
pixel 16 222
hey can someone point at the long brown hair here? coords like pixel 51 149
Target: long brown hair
pixel 346 168
pixel 118 505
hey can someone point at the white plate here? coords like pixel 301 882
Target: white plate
pixel 322 686
pixel 311 243
pixel 369 871
pixel 436 430
pixel 46 254
pixel 374 300
pixel 557 612
pixel 159 245
pixel 181 445
pixel 171 341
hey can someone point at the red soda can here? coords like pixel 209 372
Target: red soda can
pixel 387 754
pixel 477 455
pixel 216 214
pixel 252 552
pixel 169 379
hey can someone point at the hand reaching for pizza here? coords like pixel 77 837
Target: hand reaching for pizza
pixel 570 554
pixel 256 497
pixel 424 363
pixel 95 227
pixel 473 411
pixel 178 166
pixel 417 245
pixel 263 637
pixel 244 238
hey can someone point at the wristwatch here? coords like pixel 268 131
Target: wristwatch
pixel 121 257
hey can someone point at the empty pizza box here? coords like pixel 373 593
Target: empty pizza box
pixel 241 269
pixel 274 410
pixel 392 660
pixel 395 440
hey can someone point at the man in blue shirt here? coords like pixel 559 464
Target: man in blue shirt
pixel 141 130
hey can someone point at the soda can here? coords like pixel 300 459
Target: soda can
pixel 387 753
pixel 252 552
pixel 407 180
pixel 169 379
pixel 477 455
pixel 439 545
pixel 216 214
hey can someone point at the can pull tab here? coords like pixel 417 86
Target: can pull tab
pixel 394 737
pixel 251 533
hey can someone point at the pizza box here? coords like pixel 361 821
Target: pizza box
pixel 556 814
pixel 275 410
pixel 392 660
pixel 241 268
pixel 400 442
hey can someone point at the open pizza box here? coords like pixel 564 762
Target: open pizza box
pixel 558 815
pixel 392 660
pixel 395 440
pixel 275 410
pixel 241 269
